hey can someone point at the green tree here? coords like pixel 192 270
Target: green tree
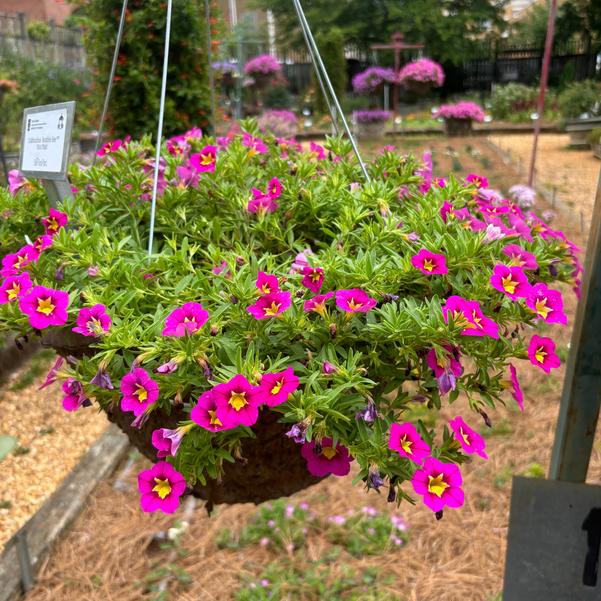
pixel 450 29
pixel 331 48
pixel 135 98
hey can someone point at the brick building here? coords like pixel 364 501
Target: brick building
pixel 39 10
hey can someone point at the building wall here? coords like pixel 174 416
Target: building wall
pixel 38 10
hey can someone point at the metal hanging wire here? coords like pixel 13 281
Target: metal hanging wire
pixel 159 139
pixel 319 66
pixel 209 56
pixel 109 87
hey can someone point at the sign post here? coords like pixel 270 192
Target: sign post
pixel 45 144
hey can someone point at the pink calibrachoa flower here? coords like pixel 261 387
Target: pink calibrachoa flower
pixel 204 413
pixel 187 177
pixel 406 441
pixel 13 263
pixel 318 303
pixel 514 385
pixel 54 221
pixel 167 441
pixel 267 283
pixel 520 257
pixel 237 402
pixel 187 319
pixel 468 315
pixel 161 487
pixel 429 263
pixel 511 281
pixel 110 147
pixel 270 305
pixel 326 459
pixel 43 242
pixel 16 181
pixel 274 188
pixel 14 287
pixel 139 391
pixel 74 395
pixel 261 203
pixel 93 321
pixel 477 180
pixel 541 352
pixel 275 388
pixel 439 484
pixel 471 442
pixel 354 300
pixel 45 307
pixel 51 375
pixel 316 151
pixel 445 370
pixel 547 304
pixel 313 279
pixel 255 145
pixel 204 160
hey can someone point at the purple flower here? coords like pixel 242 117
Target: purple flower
pixel 297 433
pixel 167 441
pixel 167 368
pixel 369 414
pixel 92 321
pixel 371 116
pixel 102 380
pixel 371 79
pixel 264 64
pixel 51 376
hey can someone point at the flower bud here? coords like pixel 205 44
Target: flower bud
pixel 333 330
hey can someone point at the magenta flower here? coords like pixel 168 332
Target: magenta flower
pixel 275 388
pixel 74 395
pixel 270 305
pixel 51 375
pixel 139 391
pixel 328 368
pixel 406 441
pixel 267 283
pixel 461 110
pixel 42 243
pixel 547 304
pixel 471 442
pixel 263 64
pixel 423 70
pixel 204 413
pixel 446 370
pixel 93 321
pixel 520 257
pixel 318 303
pixel 16 181
pixel 274 188
pixel 45 307
pixel 14 287
pixel 516 389
pixel 313 279
pixel 237 402
pixel 54 221
pixel 541 352
pixel 325 459
pixel 13 263
pixel 204 160
pixel 261 203
pixel 110 147
pixel 354 300
pixel 167 441
pixel 477 180
pixel 255 145
pixel 439 484
pixel 317 151
pixel 511 281
pixel 187 176
pixel 429 263
pixel 161 487
pixel 177 145
pixel 187 319
pixel 468 315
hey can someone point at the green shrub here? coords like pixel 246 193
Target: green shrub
pixel 594 136
pixel 38 30
pixel 581 97
pixel 331 48
pixel 277 97
pixel 515 102
pixel 135 99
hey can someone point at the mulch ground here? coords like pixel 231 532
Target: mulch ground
pixel 108 554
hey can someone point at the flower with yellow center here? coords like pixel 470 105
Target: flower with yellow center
pixel 265 289
pixel 508 284
pixel 52 224
pixel 95 326
pixel 13 291
pixel 162 487
pixel 437 485
pixel 460 319
pixel 541 308
pixel 353 305
pixel 315 276
pixel 213 419
pixel 329 452
pixel 45 306
pixel 273 310
pixel 466 438
pixel 277 387
pixel 540 354
pixel 206 159
pixel 428 265
pixel 406 445
pixel 141 393
pixel 238 400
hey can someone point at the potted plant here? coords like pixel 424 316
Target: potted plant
pixel 372 80
pixel 458 118
pixel 289 319
pixel 421 75
pixel 262 69
pixel 371 123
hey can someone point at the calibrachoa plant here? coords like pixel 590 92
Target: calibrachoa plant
pixel 370 80
pixel 264 64
pixel 461 110
pixel 423 70
pixel 281 283
pixel 371 116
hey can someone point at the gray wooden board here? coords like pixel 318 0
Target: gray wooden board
pixel 552 530
pixel 59 511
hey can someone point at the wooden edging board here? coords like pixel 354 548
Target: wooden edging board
pixel 44 528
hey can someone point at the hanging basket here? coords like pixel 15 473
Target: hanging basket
pixel 262 80
pixel 418 87
pixel 458 127
pixel 269 466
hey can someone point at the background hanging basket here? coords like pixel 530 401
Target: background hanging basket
pixel 418 87
pixel 458 127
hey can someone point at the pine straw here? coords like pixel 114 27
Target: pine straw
pixel 108 552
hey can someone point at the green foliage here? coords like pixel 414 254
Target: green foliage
pixel 135 98
pixel 38 31
pixel 581 97
pixel 277 97
pixel 594 136
pixel 516 102
pixel 535 470
pixel 331 48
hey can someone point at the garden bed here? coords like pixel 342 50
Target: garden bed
pixel 50 442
